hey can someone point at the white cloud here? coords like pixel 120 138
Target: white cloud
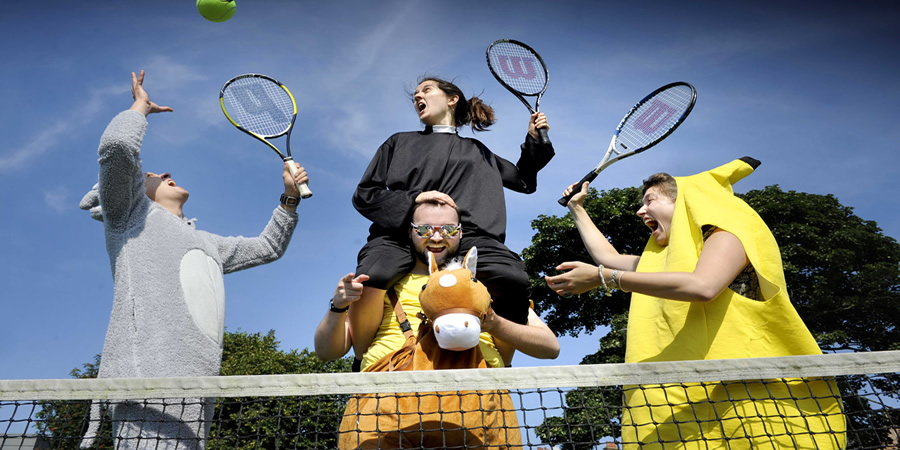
pixel 58 199
pixel 51 137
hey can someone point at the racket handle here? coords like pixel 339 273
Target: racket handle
pixel 545 138
pixel 303 188
pixel 587 178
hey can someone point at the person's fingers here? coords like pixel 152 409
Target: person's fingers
pixel 362 278
pixel 347 278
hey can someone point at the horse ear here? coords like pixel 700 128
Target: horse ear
pixel 471 260
pixel 432 264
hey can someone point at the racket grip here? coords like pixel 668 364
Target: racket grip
pixel 587 178
pixel 545 138
pixel 303 188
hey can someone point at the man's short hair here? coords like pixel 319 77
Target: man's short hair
pixel 437 204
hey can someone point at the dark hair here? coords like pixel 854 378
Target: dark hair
pixel 664 181
pixel 472 111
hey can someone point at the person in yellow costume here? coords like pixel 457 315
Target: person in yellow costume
pixel 709 285
pixel 431 234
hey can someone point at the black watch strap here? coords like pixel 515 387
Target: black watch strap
pixel 338 310
pixel 287 200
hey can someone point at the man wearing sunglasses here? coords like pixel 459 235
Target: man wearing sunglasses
pixel 435 230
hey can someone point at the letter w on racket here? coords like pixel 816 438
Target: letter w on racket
pixel 518 67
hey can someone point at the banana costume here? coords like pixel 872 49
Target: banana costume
pixel 782 414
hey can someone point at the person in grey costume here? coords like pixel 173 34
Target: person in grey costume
pixel 168 308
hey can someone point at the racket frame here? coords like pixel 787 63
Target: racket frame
pixel 304 190
pixel 542 132
pixel 608 159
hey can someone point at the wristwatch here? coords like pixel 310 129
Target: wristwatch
pixel 287 200
pixel 338 310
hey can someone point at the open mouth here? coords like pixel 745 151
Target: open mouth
pixel 435 250
pixel 651 223
pixel 420 106
pixel 171 182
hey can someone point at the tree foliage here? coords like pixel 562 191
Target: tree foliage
pixel 842 273
pixel 557 241
pixel 63 422
pixel 308 422
pixel 258 422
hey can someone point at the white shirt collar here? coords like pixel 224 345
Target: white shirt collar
pixel 449 129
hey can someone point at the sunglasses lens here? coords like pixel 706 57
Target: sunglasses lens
pixel 426 231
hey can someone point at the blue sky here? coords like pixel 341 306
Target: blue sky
pixel 811 92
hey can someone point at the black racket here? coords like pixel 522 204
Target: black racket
pixel 520 70
pixel 650 121
pixel 264 108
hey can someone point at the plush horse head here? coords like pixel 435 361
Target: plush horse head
pixel 455 302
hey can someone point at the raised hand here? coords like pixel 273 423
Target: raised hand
pixel 142 103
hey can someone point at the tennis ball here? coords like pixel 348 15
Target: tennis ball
pixel 216 10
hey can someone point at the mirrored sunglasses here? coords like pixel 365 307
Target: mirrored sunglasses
pixel 426 231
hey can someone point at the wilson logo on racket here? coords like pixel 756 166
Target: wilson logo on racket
pixel 522 71
pixel 656 115
pixel 518 67
pixel 647 123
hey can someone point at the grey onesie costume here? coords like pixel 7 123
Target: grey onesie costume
pixel 168 308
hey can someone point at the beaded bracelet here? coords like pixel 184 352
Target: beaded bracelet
pixel 602 280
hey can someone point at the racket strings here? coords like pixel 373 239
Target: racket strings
pixel 518 67
pixel 259 106
pixel 654 118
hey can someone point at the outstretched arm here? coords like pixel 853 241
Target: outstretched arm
pixel 721 260
pixel 581 277
pixel 121 184
pixel 601 251
pixel 332 338
pixel 240 253
pixel 534 339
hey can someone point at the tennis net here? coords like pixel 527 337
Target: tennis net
pixel 825 401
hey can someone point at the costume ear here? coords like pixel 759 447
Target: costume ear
pixel 471 260
pixel 432 264
pixel 91 202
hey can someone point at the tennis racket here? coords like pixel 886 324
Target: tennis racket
pixel 264 108
pixel 522 71
pixel 650 121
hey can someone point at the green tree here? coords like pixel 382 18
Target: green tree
pixel 275 422
pixel 842 272
pixel 64 422
pixel 251 422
